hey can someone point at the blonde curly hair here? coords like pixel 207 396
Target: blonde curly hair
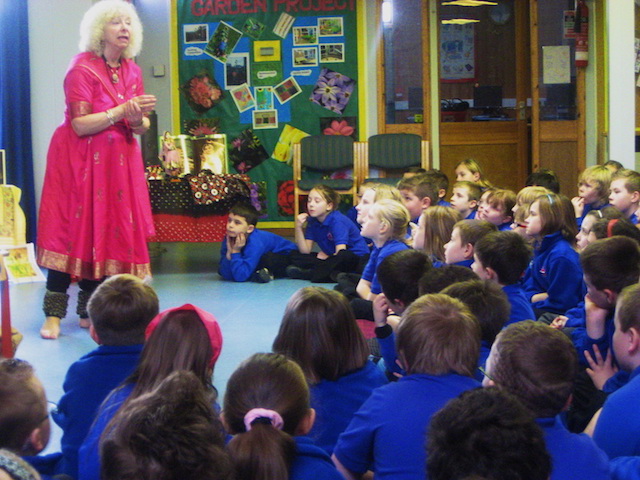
pixel 96 18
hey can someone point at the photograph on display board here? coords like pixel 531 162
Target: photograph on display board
pixel 247 151
pixel 266 51
pixel 242 97
pixel 264 98
pixel 263 119
pixel 284 148
pixel 345 126
pixel 333 90
pixel 332 52
pixel 202 92
pixel 331 26
pixel 223 42
pixel 305 35
pixel 305 57
pixel 210 153
pixel 198 33
pixel 286 90
pixel 253 28
pixel 283 25
pixel 236 70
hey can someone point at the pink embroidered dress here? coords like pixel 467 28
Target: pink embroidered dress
pixel 95 214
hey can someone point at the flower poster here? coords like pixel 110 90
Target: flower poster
pixel 345 126
pixel 202 92
pixel 243 98
pixel 247 151
pixel 285 198
pixel 284 148
pixel 333 90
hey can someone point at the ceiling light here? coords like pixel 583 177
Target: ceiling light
pixel 459 21
pixel 468 3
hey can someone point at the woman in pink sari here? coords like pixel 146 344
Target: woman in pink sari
pixel 95 214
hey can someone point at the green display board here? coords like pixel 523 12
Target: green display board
pixel 266 73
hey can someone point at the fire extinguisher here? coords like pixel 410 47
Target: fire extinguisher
pixel 581 30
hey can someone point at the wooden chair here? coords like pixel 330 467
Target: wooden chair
pixel 318 156
pixel 392 154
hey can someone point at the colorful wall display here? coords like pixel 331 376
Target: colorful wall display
pixel 267 73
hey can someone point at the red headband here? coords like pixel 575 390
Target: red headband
pixel 610 227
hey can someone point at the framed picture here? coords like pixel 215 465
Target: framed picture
pixel 330 26
pixel 243 98
pixel 287 89
pixel 305 57
pixel 305 35
pixel 332 52
pixel 223 42
pixel 457 53
pixel 263 119
pixel 253 28
pixel 236 70
pixel 196 33
pixel 210 153
pixel 266 51
pixel 264 98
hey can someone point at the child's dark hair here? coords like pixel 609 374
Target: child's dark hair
pixel 605 228
pixel 611 263
pixel 467 439
pixel 537 364
pixel 329 195
pixel 121 308
pixel 473 230
pixel 628 308
pixel 262 448
pixel 246 211
pixel 179 342
pixel 422 186
pixel 415 170
pixel 438 335
pixel 22 406
pixel 400 272
pixel 613 165
pixel 487 301
pixel 506 253
pixel 172 433
pixel 557 215
pixel 474 190
pixel 437 279
pixel 544 178
pixel 319 331
pixel 440 179
pixel 438 224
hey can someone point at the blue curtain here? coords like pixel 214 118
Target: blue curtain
pixel 15 104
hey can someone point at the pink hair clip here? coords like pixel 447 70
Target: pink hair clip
pixel 256 413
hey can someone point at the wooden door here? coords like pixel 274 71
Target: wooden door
pixel 494 129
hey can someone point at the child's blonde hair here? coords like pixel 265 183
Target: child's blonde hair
pixel 438 225
pixel 557 215
pixel 502 199
pixel 394 214
pixel 524 199
pixel 385 192
pixel 601 176
pixel 474 190
pixel 474 167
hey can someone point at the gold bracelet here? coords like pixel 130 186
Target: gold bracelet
pixel 112 120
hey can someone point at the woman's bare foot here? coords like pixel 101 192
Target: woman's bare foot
pixel 51 328
pixel 85 322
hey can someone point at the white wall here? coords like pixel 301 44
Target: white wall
pixel 53 40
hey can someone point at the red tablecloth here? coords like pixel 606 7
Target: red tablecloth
pixel 182 228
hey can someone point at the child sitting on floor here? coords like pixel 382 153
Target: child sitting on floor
pixel 497 208
pixel 538 365
pixel 434 230
pixel 593 191
pixel 469 170
pixel 438 341
pixel 625 193
pixel 418 193
pixel 170 433
pixel 502 258
pixel 339 239
pixel 120 310
pixel 251 254
pixel 267 410
pixel 319 332
pixel 459 249
pixel 553 281
pixel 465 198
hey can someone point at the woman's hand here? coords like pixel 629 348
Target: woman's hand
pixel 146 102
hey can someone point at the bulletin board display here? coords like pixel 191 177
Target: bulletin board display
pixel 267 73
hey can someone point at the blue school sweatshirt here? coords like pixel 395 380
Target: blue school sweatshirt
pixel 520 306
pixel 377 255
pixel 242 265
pixel 618 429
pixel 336 229
pixel 555 269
